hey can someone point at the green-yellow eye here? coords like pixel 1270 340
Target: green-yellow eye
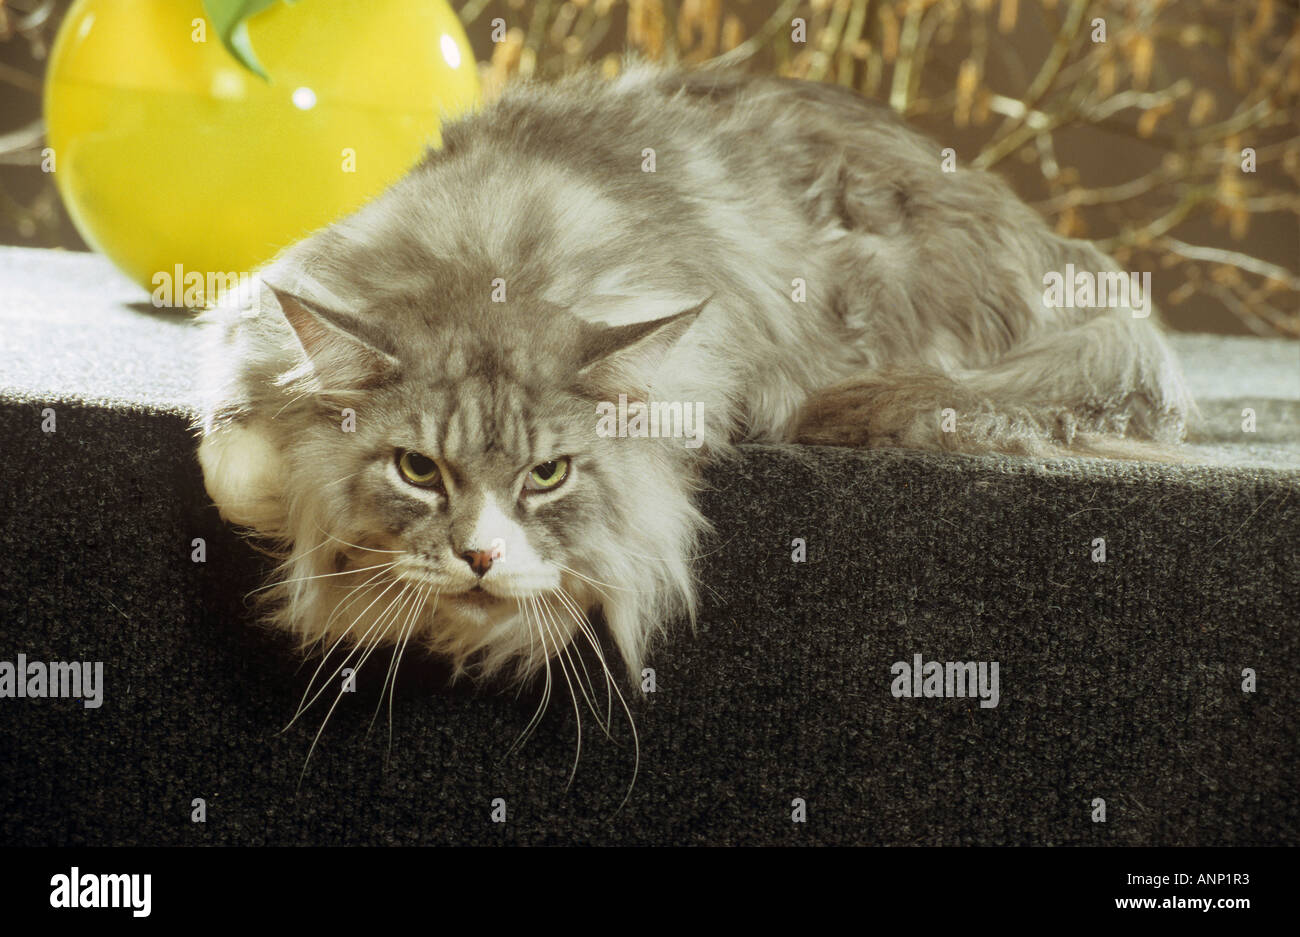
pixel 548 475
pixel 419 470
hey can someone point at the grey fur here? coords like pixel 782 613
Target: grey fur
pixel 923 291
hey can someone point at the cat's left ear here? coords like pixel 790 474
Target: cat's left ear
pixel 340 358
pixel 634 351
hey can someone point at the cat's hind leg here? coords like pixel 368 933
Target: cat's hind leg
pixel 1108 387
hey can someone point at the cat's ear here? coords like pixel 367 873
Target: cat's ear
pixel 338 356
pixel 635 351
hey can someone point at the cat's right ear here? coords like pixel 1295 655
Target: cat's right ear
pixel 634 351
pixel 339 358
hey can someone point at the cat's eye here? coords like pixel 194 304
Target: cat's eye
pixel 547 476
pixel 418 469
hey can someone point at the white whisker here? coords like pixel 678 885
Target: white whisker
pixel 348 656
pixel 337 480
pixel 356 546
pixel 577 711
pixel 401 650
pixel 346 572
pixel 400 643
pixel 584 625
pixel 544 605
pixel 355 593
pixel 594 582
pixel 636 739
pixel 361 663
pixel 546 692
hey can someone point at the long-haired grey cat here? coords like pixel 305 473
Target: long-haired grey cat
pixel 434 412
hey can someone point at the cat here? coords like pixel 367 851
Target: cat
pixel 431 407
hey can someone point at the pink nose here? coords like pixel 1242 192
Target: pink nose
pixel 479 560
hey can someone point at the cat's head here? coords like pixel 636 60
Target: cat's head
pixel 434 473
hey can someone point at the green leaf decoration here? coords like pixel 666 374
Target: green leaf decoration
pixel 230 18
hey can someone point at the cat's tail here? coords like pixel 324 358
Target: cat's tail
pixel 1108 388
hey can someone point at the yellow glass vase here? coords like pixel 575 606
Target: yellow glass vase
pixel 171 156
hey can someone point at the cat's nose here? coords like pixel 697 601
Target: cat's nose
pixel 479 560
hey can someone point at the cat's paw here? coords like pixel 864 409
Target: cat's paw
pixel 242 473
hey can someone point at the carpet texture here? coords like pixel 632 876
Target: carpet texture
pixel 1119 680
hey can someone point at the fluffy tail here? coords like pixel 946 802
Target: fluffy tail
pixel 1108 388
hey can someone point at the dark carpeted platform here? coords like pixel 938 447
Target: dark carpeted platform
pixel 1119 680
